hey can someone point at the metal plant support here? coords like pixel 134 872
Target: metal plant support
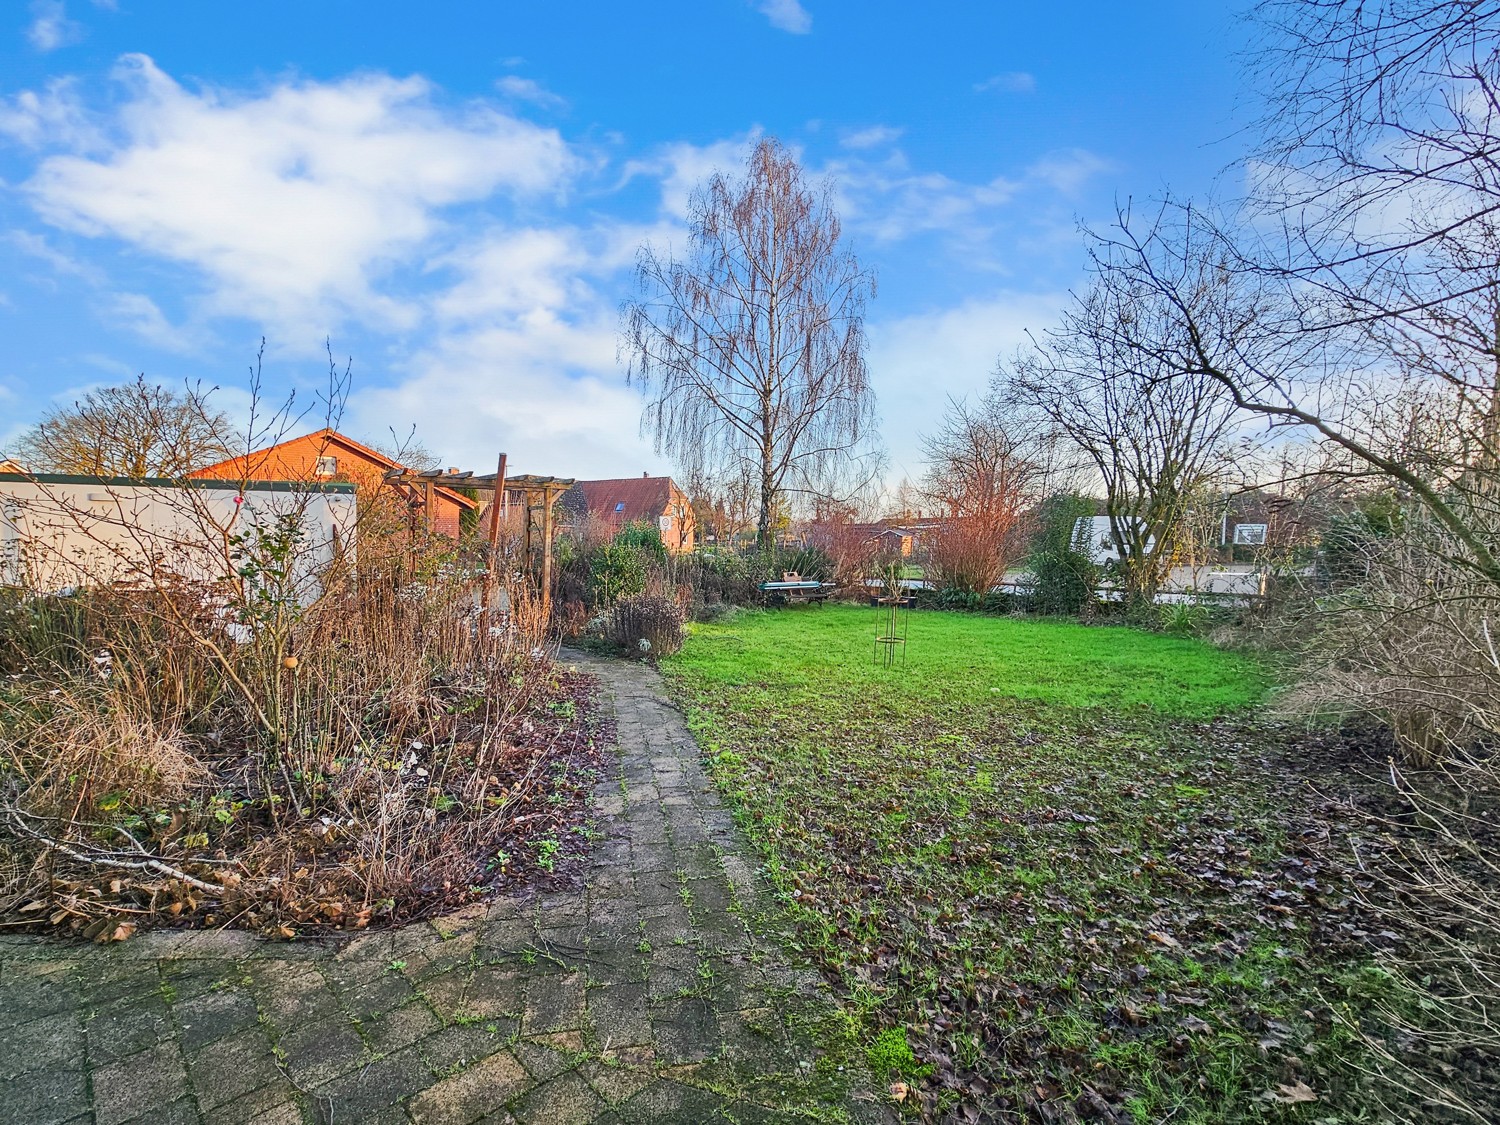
pixel 891 629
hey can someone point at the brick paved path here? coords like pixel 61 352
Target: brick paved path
pixel 648 997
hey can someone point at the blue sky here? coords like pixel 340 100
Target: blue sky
pixel 453 193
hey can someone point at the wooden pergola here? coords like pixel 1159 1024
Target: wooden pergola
pixel 537 494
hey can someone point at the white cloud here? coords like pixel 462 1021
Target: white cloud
pixel 889 201
pixel 1067 170
pixel 788 15
pixel 529 90
pixel 140 315
pixel 54 118
pixel 38 247
pixel 548 393
pixel 684 167
pixel 51 28
pixel 873 137
pixel 292 202
pixel 918 362
pixel 1010 82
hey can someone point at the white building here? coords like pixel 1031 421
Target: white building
pixel 60 532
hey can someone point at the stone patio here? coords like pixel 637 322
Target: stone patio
pixel 658 994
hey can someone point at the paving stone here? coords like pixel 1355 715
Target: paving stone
pixel 542 1062
pixel 616 1084
pixel 566 1100
pixel 52 1041
pixel 554 1004
pixel 44 1097
pixel 127 1027
pixel 214 1015
pixel 375 994
pixel 270 1101
pixel 136 1084
pixel 232 1067
pixel 618 1015
pixel 180 1112
pixel 685 1030
pixel 25 998
pixel 456 1047
pixel 287 1113
pixel 472 1094
pixel 187 980
pixel 390 1031
pixel 361 1094
pixel 319 1052
pixel 666 1101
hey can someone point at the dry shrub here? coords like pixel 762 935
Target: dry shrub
pixel 649 625
pixel 1412 647
pixel 184 751
pixel 84 757
pixel 971 553
pixel 850 548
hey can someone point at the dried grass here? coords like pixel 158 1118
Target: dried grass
pixel 379 753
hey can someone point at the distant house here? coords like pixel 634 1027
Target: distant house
pixel 645 499
pixel 9 466
pixel 328 455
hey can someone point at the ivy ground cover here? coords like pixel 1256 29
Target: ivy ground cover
pixel 1055 872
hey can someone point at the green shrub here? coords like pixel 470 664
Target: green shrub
pixel 1181 618
pixel 717 577
pixel 809 562
pixel 643 536
pixel 1062 575
pixel 616 570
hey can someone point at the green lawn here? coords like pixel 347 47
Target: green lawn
pixel 1046 866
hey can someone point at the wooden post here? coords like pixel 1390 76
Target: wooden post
pixel 427 493
pixel 547 552
pixel 495 505
pixel 526 547
pixel 492 560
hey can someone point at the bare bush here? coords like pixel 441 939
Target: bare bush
pixel 648 625
pixel 238 715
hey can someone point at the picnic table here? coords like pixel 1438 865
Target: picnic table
pixel 793 587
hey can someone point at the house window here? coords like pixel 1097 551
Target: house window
pixel 1250 535
pixel 326 466
pixel 620 507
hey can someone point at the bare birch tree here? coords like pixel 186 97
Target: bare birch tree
pixel 751 349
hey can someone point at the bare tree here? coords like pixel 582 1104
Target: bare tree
pixel 986 465
pixel 1109 381
pixel 751 350
pixel 137 430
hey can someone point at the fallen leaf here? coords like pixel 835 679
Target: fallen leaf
pixel 899 1091
pixel 1294 1094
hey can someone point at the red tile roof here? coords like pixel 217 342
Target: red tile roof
pixel 620 501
